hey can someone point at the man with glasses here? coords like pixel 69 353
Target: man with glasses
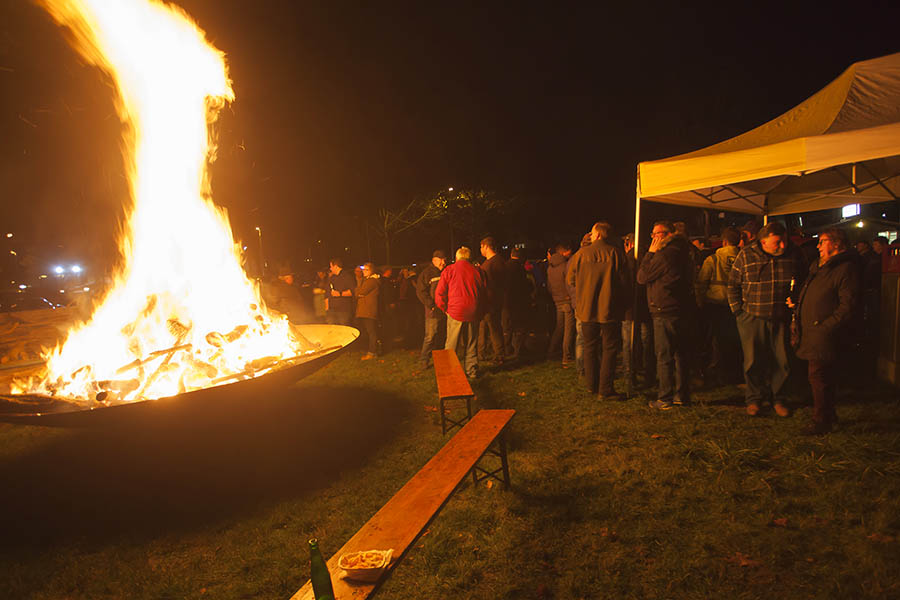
pixel 763 276
pixel 827 305
pixel 668 272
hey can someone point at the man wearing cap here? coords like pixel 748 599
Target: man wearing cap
pixel 435 320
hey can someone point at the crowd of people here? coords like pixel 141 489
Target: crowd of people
pixel 678 312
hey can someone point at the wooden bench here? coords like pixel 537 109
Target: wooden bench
pixel 405 516
pixel 452 385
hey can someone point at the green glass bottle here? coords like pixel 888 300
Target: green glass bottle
pixel 318 573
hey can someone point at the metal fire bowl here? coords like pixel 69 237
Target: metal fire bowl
pixel 52 412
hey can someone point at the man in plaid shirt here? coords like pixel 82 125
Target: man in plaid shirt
pixel 760 282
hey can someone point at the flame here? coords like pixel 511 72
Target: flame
pixel 181 314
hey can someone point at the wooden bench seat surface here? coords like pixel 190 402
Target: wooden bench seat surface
pixel 402 519
pixel 451 379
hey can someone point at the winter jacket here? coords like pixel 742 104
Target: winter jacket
pixel 668 274
pixel 827 306
pixel 600 277
pixel 341 282
pixel 461 291
pixel 426 285
pixel 759 282
pixel 556 279
pixel 496 277
pixel 367 297
pixel 712 281
pixel 520 289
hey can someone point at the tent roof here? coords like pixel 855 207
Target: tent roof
pixel 853 120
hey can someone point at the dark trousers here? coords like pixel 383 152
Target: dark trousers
pixel 638 355
pixel 338 317
pixel 822 379
pixel 491 330
pixel 723 342
pixel 671 338
pixel 371 328
pixel 431 341
pixel 600 371
pixel 766 360
pixel 564 333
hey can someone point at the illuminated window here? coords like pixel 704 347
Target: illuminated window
pixel 851 210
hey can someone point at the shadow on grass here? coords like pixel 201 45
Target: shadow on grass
pixel 183 468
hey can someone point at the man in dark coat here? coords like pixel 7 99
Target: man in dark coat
pixel 435 320
pixel 339 301
pixel 563 336
pixel 496 274
pixel 826 307
pixel 602 290
pixel 761 279
pixel 668 272
pixel 520 293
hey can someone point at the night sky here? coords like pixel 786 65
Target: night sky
pixel 343 108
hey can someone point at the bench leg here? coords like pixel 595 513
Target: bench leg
pixel 443 418
pixel 503 462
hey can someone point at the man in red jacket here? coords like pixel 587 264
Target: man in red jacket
pixel 461 293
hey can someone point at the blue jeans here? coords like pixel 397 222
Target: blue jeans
pixel 429 343
pixel 671 336
pixel 766 359
pixel 564 332
pixel 467 333
pixel 639 355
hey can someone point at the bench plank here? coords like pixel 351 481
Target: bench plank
pixel 451 379
pixel 399 522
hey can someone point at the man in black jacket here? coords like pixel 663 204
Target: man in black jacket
pixel 563 298
pixel 435 319
pixel 667 270
pixel 495 271
pixel 826 307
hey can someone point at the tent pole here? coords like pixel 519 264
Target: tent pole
pixel 637 212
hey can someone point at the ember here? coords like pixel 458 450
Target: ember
pixel 182 314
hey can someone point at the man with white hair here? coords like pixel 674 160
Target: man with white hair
pixel 461 293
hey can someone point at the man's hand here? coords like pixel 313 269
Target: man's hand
pixel 655 244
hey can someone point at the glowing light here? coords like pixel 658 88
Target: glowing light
pixel 850 210
pixel 22 286
pixel 860 224
pixel 43 277
pixel 9 235
pixel 180 288
pixel 85 289
pixel 76 269
pixel 59 270
pixel 13 252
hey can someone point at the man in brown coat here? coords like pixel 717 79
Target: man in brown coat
pixel 367 307
pixel 826 306
pixel 602 292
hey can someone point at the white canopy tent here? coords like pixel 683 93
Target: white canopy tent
pixel 841 146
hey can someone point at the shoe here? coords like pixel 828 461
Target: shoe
pixel 816 428
pixel 610 397
pixel 781 410
pixel 660 405
pixel 677 401
pixel 367 356
pixel 753 409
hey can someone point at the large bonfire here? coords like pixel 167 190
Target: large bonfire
pixel 181 314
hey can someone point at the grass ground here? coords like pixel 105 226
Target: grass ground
pixel 609 500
